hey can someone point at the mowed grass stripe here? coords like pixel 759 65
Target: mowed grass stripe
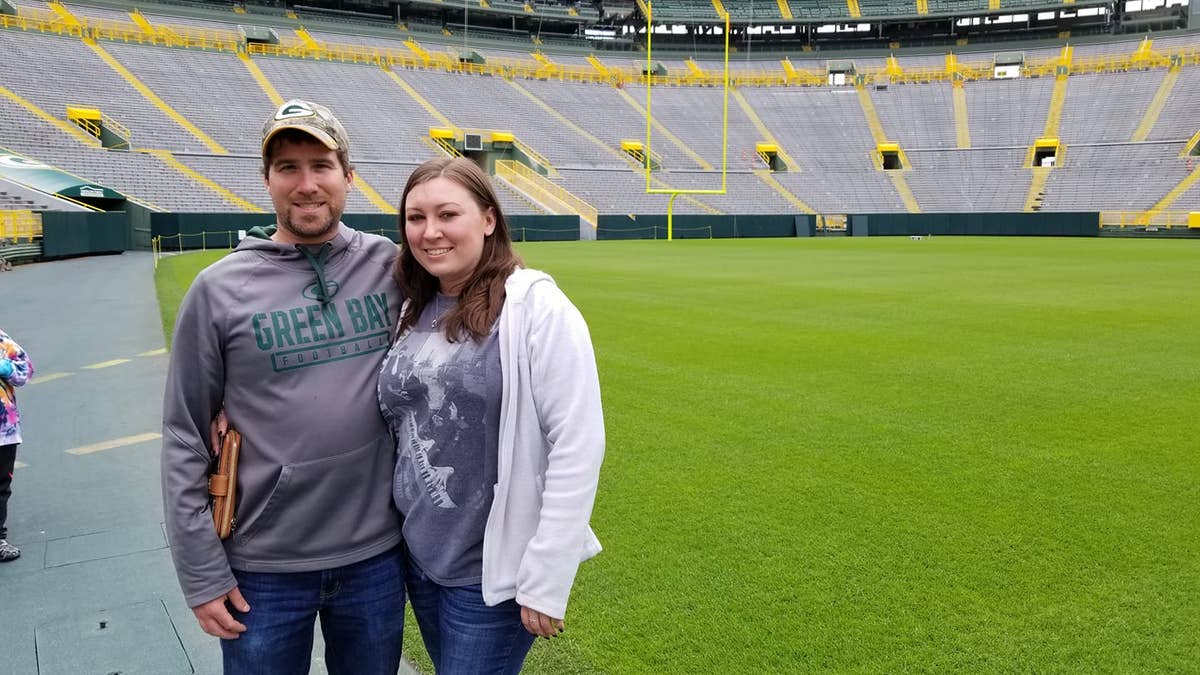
pixel 881 454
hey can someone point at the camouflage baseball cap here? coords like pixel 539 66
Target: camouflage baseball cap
pixel 311 118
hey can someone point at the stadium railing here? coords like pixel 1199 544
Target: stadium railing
pixel 1161 219
pixel 18 226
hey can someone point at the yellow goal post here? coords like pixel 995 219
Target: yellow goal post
pixel 649 75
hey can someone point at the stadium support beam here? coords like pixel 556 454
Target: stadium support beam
pixel 1173 194
pixel 153 98
pixel 1058 98
pixel 261 78
pixel 1150 118
pixel 675 140
pixel 763 130
pixel 962 125
pixel 905 192
pixel 223 192
pixel 872 117
pixel 429 108
pixel 765 176
pixel 69 128
pixel 565 121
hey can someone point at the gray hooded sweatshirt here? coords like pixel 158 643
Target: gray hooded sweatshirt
pixel 291 341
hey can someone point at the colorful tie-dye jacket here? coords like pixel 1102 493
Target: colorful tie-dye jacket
pixel 22 370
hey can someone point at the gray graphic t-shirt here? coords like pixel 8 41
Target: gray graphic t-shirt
pixel 442 403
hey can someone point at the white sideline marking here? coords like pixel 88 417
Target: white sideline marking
pixel 106 364
pixel 115 443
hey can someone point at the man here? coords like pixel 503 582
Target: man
pixel 288 332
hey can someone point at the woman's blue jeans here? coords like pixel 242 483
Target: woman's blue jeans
pixel 463 635
pixel 362 619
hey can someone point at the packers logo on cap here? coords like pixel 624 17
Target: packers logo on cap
pixel 294 109
pixel 312 118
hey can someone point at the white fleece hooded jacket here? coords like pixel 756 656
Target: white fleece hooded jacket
pixel 551 447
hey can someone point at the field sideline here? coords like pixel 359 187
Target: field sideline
pixel 875 455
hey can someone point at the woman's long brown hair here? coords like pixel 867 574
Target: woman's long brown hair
pixel 482 297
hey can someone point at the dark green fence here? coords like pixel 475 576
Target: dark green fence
pixel 70 233
pixel 543 228
pixel 1049 224
pixel 690 226
pixel 184 231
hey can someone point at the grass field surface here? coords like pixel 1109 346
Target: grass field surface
pixel 880 455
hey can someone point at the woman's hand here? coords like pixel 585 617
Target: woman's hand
pixel 540 624
pixel 216 431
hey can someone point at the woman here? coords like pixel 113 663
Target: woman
pixel 492 395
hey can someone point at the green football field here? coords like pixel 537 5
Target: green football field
pixel 877 455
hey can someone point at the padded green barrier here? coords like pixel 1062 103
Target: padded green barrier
pixel 183 231
pixel 69 233
pixel 529 227
pixel 1048 224
pixel 692 226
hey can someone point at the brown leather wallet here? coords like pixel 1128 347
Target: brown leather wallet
pixel 222 485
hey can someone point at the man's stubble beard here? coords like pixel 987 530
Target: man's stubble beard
pixel 304 232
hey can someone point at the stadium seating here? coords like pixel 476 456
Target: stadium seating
pixel 1178 118
pixel 1093 176
pixel 999 111
pixel 1106 107
pixel 917 116
pixel 212 108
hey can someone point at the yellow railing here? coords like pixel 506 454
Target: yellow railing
pixel 534 155
pixel 42 22
pixel 118 128
pixel 166 36
pixel 93 127
pixel 18 225
pixel 447 145
pixel 1163 219
pixel 538 187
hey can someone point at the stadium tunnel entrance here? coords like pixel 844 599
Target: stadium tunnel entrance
pixel 46 179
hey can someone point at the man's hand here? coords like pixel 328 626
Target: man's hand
pixel 542 625
pixel 216 620
pixel 216 431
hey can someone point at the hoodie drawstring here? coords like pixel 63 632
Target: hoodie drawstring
pixel 318 265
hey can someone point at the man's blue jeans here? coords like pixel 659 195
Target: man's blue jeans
pixel 362 619
pixel 463 635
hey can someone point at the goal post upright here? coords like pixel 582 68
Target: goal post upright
pixel 649 76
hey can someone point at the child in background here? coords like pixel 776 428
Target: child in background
pixel 15 370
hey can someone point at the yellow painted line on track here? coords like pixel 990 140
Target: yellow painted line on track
pixel 115 443
pixel 106 364
pixel 38 378
pixel 20 465
pixel 154 352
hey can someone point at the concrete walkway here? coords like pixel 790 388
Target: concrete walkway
pixel 94 590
